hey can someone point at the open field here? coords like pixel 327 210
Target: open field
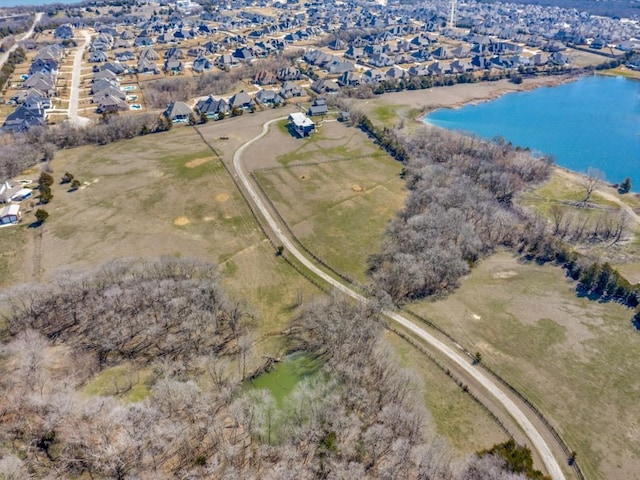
pixel 340 209
pixel 574 358
pixel 163 194
pixel 455 414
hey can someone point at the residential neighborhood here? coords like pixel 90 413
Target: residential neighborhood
pixel 328 46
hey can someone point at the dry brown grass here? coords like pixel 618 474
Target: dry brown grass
pixel 574 358
pixel 160 194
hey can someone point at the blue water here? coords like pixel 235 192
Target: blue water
pixel 592 122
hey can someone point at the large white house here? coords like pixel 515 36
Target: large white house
pixel 301 124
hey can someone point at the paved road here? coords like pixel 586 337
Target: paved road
pixel 74 98
pixel 28 33
pixel 541 446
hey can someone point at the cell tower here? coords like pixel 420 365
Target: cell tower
pixel 452 14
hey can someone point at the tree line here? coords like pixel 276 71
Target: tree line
pixel 15 57
pixel 459 209
pixel 39 144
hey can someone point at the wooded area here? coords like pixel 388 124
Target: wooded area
pixel 185 351
pixel 459 209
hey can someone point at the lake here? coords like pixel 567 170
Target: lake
pixel 591 122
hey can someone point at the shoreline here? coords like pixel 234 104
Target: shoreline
pixel 504 87
pixel 456 96
pixel 524 87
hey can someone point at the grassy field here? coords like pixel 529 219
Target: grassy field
pixel 455 415
pixel 575 358
pixel 164 194
pixel 339 210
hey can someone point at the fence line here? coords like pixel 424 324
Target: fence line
pixel 513 390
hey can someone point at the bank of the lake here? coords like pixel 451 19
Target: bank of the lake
pixel 592 122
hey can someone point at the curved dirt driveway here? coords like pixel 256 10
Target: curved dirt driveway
pixel 541 446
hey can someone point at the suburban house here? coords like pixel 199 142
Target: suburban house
pixel 13 193
pixel 290 90
pixel 301 124
pixel 319 107
pixel 23 118
pixel 240 100
pixel 178 112
pixel 269 97
pixel 264 77
pixel 10 214
pixel 146 65
pixel 325 86
pixel 63 32
pixel 213 108
pixel 98 57
pixel 201 64
pixel 108 103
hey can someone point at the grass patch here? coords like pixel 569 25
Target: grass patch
pixel 387 113
pixel 12 252
pixel 191 166
pixel 560 350
pixel 456 416
pixel 125 381
pixel 286 375
pixel 338 210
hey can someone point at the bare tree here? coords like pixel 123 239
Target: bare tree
pixel 590 181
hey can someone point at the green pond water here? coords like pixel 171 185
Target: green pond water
pixel 287 374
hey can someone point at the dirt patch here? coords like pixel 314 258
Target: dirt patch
pixel 181 221
pixel 197 162
pixel 304 178
pixel 221 197
pixel 357 187
pixel 504 274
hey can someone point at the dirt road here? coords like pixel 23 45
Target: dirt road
pixel 461 361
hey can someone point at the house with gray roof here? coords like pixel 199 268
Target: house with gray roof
pixel 178 112
pixel 268 97
pixel 23 118
pixel 240 100
pixel 213 108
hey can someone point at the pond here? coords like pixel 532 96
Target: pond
pixel 287 374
